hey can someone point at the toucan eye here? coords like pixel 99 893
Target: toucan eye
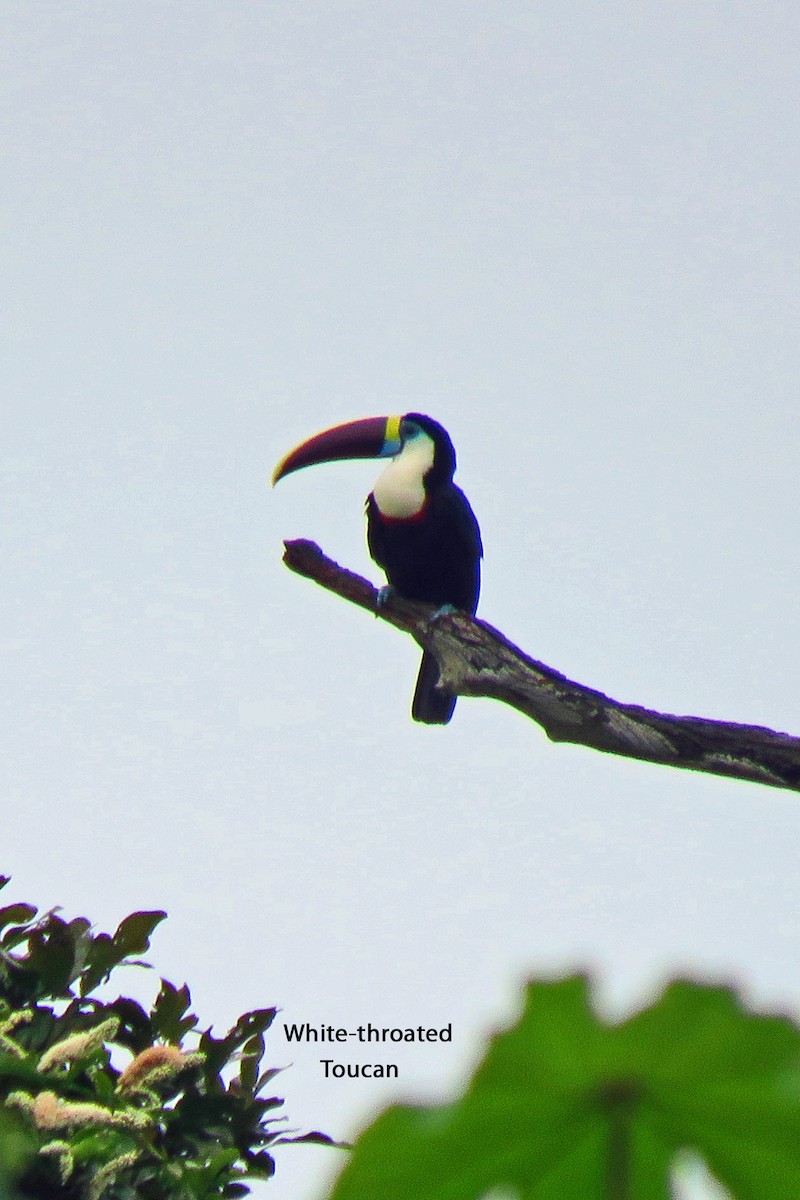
pixel 410 430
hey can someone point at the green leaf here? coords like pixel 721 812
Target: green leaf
pixel 261 1165
pixel 100 962
pixel 314 1137
pixel 51 955
pixel 134 932
pixel 250 1024
pixel 17 1146
pixel 14 1071
pixel 565 1106
pixel 14 935
pixel 136 1028
pixel 171 1019
pixel 265 1078
pixel 252 1054
pixel 105 952
pixel 218 1051
pixel 16 914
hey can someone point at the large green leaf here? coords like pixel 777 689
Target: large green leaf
pixel 565 1106
pixel 16 1147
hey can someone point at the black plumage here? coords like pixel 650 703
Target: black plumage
pixel 433 556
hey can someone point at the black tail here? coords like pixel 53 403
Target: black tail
pixel 431 705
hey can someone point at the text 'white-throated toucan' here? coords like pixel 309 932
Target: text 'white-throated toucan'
pixel 420 528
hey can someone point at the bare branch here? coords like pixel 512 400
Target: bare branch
pixel 477 660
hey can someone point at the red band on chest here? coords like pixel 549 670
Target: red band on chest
pixel 415 517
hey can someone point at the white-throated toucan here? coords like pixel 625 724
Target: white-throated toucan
pixel 420 527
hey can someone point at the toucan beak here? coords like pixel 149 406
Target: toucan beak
pixel 373 437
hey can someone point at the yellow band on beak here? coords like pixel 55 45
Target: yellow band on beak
pixel 392 442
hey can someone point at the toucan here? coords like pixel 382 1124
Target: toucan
pixel 421 529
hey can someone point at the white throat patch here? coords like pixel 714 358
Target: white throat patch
pixel 398 492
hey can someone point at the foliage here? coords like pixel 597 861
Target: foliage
pixel 565 1106
pixel 169 1123
pixel 16 1147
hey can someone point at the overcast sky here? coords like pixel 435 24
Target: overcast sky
pixel 569 232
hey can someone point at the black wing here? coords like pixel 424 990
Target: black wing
pixel 434 557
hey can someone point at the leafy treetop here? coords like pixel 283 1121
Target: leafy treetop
pixel 171 1123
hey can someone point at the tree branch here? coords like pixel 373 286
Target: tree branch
pixel 477 660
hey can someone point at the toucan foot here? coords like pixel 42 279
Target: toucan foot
pixel 384 594
pixel 444 611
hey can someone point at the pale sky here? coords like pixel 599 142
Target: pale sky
pixel 569 232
